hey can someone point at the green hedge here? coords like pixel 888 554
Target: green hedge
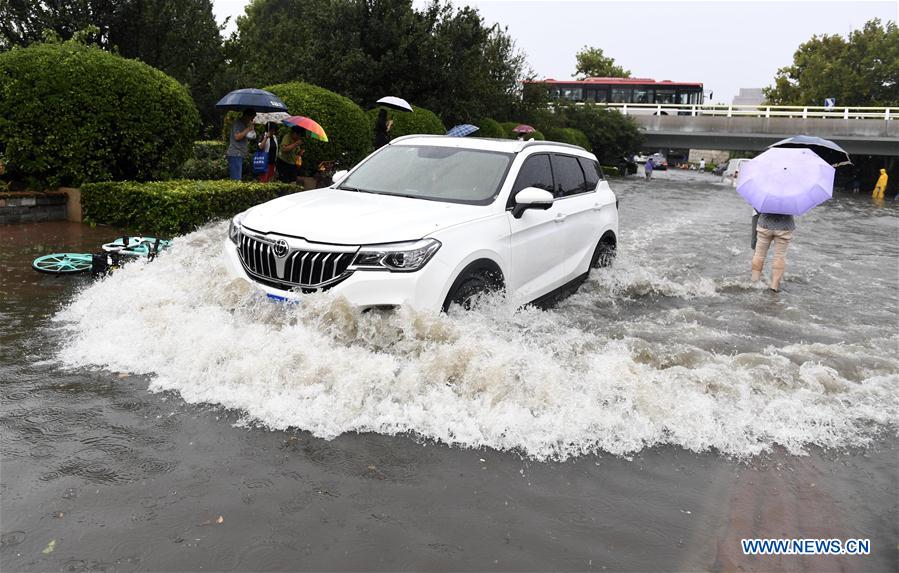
pixel 568 135
pixel 170 207
pixel 490 128
pixel 421 120
pixel 210 149
pixel 350 135
pixel 70 113
pixel 610 171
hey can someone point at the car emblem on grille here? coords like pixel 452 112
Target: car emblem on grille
pixel 280 248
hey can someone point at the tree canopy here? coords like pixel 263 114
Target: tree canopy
pixel 861 70
pixel 444 59
pixel 592 63
pixel 179 37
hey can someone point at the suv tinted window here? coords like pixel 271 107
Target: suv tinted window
pixel 536 172
pixel 592 172
pixel 569 176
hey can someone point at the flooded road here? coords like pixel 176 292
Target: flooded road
pixel 167 418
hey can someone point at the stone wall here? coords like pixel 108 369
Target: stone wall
pixel 32 207
pixel 715 156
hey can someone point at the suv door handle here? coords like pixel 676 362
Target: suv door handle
pixel 597 206
pixel 560 217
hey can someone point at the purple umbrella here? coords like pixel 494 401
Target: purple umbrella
pixel 786 181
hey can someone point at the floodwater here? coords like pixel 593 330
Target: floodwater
pixel 166 418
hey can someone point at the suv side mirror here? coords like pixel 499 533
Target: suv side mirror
pixel 531 198
pixel 339 176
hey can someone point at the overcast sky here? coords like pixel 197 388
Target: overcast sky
pixel 725 45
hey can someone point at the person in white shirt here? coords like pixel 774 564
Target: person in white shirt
pixel 702 164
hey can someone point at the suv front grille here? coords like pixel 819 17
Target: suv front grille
pixel 297 268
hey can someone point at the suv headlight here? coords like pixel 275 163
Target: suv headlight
pixel 234 228
pixel 397 257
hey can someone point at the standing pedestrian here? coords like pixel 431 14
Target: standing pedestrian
pixel 269 144
pixel 779 230
pixel 702 164
pixel 648 168
pixel 382 129
pixel 290 155
pixel 881 185
pixel 242 131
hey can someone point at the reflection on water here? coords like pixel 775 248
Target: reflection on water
pixel 670 346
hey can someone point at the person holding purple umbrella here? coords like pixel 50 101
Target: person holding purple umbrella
pixel 777 229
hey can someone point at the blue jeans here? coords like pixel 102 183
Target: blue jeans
pixel 235 167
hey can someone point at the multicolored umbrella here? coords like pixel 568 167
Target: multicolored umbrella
pixel 251 98
pixel 523 128
pixel 462 130
pixel 826 149
pixel 396 103
pixel 314 129
pixel 786 181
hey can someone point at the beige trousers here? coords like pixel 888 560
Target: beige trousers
pixel 764 238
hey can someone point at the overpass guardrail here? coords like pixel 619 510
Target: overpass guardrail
pixel 791 111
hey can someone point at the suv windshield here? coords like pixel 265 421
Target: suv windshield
pixel 450 174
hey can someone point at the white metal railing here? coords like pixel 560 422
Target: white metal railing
pixel 791 111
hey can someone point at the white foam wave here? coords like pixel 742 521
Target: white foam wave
pixel 501 377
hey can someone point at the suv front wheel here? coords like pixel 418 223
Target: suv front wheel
pixel 475 280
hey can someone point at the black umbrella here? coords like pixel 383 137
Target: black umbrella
pixel 251 98
pixel 824 148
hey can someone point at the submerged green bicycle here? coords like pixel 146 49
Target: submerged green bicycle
pixel 113 255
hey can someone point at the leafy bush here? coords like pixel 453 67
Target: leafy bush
pixel 209 149
pixel 420 120
pixel 568 135
pixel 349 130
pixel 490 128
pixel 169 207
pixel 70 113
pixel 609 170
pixel 207 169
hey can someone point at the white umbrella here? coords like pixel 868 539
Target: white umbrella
pixel 272 116
pixel 396 103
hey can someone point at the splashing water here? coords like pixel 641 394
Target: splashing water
pixel 670 346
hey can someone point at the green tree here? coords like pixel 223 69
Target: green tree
pixel 438 57
pixel 592 63
pixel 24 22
pixel 862 70
pixel 611 134
pixel 179 37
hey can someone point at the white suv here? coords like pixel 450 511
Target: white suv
pixel 428 221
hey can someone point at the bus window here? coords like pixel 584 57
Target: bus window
pixel 642 95
pixel 683 97
pixel 574 94
pixel 665 96
pixel 590 95
pixel 554 93
pixel 621 95
pixel 602 96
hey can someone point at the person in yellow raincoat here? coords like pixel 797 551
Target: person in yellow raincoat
pixel 881 185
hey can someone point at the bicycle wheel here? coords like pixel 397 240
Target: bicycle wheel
pixel 63 263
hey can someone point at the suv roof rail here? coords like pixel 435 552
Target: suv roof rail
pixel 524 144
pixel 532 142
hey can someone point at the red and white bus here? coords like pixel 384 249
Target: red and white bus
pixel 625 90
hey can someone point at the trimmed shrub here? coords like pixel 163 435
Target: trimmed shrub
pixel 610 171
pixel 171 207
pixel 350 136
pixel 611 134
pixel 71 113
pixel 568 135
pixel 208 162
pixel 211 149
pixel 490 128
pixel 419 121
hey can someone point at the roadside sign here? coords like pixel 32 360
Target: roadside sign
pixel 830 102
